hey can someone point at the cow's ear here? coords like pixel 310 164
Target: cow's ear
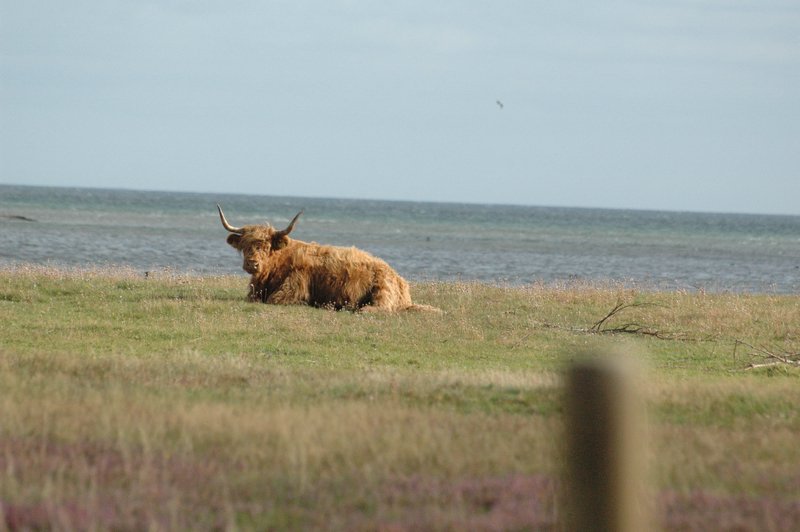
pixel 280 242
pixel 235 240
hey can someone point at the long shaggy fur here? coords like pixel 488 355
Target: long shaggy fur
pixel 287 271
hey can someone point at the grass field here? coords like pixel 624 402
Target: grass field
pixel 169 402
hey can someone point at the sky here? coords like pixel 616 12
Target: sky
pixel 669 105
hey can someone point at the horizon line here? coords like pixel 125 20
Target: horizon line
pixel 395 200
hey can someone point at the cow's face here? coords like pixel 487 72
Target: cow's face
pixel 257 242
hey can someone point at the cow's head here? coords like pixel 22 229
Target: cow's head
pixel 256 242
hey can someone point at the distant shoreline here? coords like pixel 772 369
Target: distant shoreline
pixel 228 194
pixel 498 245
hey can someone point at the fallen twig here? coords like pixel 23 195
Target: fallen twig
pixel 618 308
pixel 763 352
pixel 628 328
pixel 634 328
pixel 764 365
pixel 597 327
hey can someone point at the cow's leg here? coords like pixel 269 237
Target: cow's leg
pixel 293 291
pixel 390 293
pixel 257 292
pixel 254 294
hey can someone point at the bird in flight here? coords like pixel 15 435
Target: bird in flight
pixel 499 104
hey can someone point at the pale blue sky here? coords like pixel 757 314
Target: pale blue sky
pixel 675 105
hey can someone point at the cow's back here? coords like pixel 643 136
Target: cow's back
pixel 350 278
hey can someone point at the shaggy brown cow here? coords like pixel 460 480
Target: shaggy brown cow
pixel 286 271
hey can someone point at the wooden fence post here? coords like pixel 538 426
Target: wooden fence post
pixel 605 447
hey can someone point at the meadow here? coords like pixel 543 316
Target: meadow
pixel 170 402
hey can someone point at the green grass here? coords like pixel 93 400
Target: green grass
pixel 171 402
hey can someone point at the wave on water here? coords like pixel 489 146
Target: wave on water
pixel 423 241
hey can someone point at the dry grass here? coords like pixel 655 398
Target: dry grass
pixel 171 403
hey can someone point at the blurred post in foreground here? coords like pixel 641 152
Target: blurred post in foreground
pixel 606 478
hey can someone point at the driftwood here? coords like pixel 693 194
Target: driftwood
pixel 775 359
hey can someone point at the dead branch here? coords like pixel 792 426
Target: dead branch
pixel 635 328
pixel 618 308
pixel 765 365
pixel 628 328
pixel 597 327
pixel 600 327
pixel 764 353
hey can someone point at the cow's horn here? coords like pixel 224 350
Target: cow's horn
pixel 225 224
pixel 291 224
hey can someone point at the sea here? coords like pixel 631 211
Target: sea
pixel 424 241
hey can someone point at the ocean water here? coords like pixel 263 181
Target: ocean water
pixel 422 241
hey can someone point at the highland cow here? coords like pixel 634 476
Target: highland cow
pixel 285 271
